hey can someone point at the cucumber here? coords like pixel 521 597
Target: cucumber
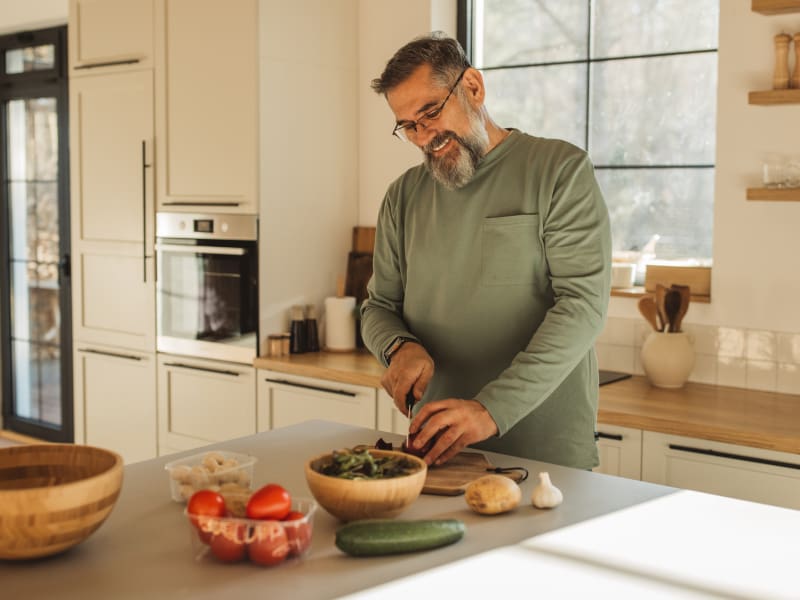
pixel 378 537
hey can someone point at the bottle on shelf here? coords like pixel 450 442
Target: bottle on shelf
pixel 298 330
pixel 312 333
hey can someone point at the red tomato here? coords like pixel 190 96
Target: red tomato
pixel 298 534
pixel 268 545
pixel 205 503
pixel 228 545
pixel 269 502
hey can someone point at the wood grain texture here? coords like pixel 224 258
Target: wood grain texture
pixel 775 7
pixel 770 97
pixel 452 479
pixel 54 496
pixel 774 194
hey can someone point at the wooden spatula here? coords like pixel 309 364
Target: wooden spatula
pixel 686 298
pixel 647 306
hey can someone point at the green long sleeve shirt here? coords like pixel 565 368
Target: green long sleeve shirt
pixel 505 282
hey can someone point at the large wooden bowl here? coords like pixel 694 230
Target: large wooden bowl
pixel 53 496
pixel 352 499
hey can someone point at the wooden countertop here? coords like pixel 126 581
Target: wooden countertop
pixel 723 414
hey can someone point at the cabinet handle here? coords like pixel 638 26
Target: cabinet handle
pixel 206 369
pixel 110 63
pixel 752 459
pixel 145 166
pixel 114 354
pixel 312 387
pixel 176 203
pixel 607 436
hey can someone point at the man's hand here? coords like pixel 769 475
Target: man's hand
pixel 457 423
pixel 411 368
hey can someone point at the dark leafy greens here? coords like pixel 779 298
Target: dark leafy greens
pixel 359 463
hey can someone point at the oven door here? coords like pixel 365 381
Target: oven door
pixel 206 299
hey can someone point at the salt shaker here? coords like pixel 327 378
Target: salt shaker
pixel 780 79
pixel 298 330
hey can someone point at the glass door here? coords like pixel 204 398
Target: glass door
pixel 34 277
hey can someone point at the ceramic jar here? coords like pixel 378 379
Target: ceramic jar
pixel 667 358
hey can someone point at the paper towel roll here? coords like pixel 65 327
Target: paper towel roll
pixel 340 323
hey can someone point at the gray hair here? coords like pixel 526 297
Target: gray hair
pixel 444 54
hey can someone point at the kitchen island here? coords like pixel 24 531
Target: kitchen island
pixel 631 527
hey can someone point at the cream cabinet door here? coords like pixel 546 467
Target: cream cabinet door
pixel 108 35
pixel 389 418
pixel 620 450
pixel 288 399
pixel 113 297
pixel 207 105
pixel 115 400
pixel 111 131
pixel 725 469
pixel 203 401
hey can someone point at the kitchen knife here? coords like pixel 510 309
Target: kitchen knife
pixel 409 405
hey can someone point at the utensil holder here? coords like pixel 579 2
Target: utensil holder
pixel 668 358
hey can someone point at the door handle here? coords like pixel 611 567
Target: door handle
pixel 145 166
pixel 65 266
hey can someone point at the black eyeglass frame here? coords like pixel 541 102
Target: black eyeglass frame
pixel 400 130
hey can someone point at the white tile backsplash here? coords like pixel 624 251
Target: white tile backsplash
pixel 729 356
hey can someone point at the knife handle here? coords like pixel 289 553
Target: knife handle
pixel 410 400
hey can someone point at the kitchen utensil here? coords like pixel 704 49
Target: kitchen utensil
pixel 661 292
pixel 686 298
pixel 453 477
pixel 647 306
pixel 54 496
pixel 672 307
pixel 409 405
pixel 351 499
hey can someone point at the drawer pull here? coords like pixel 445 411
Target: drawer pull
pixel 177 203
pixel 752 459
pixel 206 369
pixel 113 354
pixel 312 387
pixel 607 436
pixel 111 63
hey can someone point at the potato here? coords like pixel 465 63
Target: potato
pixel 493 494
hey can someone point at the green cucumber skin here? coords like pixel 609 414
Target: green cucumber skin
pixel 379 537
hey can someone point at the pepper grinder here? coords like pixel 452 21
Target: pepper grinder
pixel 795 83
pixel 298 331
pixel 312 335
pixel 780 79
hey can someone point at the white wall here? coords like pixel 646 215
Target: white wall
pixel 16 15
pixel 309 151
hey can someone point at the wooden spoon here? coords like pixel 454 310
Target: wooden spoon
pixel 661 293
pixel 672 307
pixel 647 306
pixel 686 298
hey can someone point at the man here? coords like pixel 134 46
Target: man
pixel 491 272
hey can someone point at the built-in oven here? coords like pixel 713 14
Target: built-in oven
pixel 207 285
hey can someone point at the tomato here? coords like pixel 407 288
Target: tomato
pixel 269 502
pixel 228 544
pixel 205 503
pixel 298 534
pixel 269 544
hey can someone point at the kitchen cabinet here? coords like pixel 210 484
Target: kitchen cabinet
pixel 731 470
pixel 203 401
pixel 114 400
pixel 620 450
pixel 207 105
pixel 389 418
pixel 110 35
pixel 288 399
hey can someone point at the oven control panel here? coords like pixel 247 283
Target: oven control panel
pixel 207 226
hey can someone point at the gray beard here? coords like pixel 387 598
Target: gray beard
pixel 456 173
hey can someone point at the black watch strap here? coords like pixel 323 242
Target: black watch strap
pixel 396 344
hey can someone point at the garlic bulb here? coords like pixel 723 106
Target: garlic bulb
pixel 546 495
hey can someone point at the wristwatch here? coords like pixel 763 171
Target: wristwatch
pixel 395 346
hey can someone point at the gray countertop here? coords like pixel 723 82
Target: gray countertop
pixel 143 550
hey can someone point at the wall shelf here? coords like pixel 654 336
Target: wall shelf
pixel 774 194
pixel 775 7
pixel 769 97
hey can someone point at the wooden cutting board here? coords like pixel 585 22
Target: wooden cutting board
pixel 452 478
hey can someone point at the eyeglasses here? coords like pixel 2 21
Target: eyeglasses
pixel 405 129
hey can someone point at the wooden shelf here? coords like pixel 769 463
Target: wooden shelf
pixel 775 7
pixel 774 194
pixel 769 97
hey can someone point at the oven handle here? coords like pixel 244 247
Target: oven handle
pixel 201 249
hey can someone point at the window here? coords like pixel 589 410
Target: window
pixel 633 82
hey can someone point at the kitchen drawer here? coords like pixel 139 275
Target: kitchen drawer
pixel 620 450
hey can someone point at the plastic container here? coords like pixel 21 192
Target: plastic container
pixel 262 542
pixel 218 470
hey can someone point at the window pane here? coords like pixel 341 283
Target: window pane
pixel 542 101
pixel 654 110
pixel 515 32
pixel 34 58
pixel 653 26
pixel 33 139
pixel 676 204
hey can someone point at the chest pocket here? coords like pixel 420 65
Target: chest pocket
pixel 510 250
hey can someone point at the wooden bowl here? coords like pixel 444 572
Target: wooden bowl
pixel 352 499
pixel 53 496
